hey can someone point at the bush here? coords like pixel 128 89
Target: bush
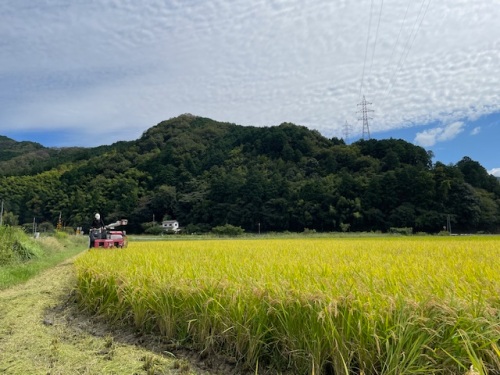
pixel 10 219
pixel 28 228
pixel 68 230
pixel 197 228
pixel 60 235
pixel 155 230
pixel 46 227
pixel 309 231
pixel 228 230
pixel 344 227
pixel 406 231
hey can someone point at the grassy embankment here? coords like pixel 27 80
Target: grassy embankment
pixel 367 306
pixel 42 331
pixel 22 257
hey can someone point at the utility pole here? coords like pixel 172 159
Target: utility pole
pixel 364 117
pixel 1 215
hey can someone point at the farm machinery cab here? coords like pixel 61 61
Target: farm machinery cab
pixel 108 237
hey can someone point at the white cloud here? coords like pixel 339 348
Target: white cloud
pixel 476 130
pixel 429 138
pixel 451 131
pixel 129 65
pixel 495 172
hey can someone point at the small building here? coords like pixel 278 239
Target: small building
pixel 171 226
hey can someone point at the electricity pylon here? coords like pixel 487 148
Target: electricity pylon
pixel 346 131
pixel 364 116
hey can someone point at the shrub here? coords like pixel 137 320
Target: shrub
pixel 197 228
pixel 28 228
pixel 10 219
pixel 228 230
pixel 68 230
pixel 344 227
pixel 155 230
pixel 60 235
pixel 46 227
pixel 406 231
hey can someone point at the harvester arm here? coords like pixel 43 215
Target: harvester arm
pixel 117 224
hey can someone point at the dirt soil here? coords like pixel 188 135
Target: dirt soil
pixel 43 332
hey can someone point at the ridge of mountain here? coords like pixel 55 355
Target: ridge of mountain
pixel 206 173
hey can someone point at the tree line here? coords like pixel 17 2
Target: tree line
pixel 206 174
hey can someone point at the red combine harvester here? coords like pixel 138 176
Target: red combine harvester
pixel 107 237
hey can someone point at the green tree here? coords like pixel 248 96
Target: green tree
pixel 9 219
pixel 228 230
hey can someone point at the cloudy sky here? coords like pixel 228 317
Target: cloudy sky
pixel 92 72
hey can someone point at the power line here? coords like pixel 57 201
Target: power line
pixel 409 44
pixel 399 34
pixel 366 48
pixel 418 28
pixel 404 54
pixel 376 36
pixel 364 110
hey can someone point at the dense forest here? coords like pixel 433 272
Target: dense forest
pixel 205 173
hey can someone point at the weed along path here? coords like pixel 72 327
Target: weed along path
pixel 41 332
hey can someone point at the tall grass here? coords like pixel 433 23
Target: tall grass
pixel 15 246
pixel 334 306
pixel 22 256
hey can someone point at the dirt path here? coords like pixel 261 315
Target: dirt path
pixel 41 332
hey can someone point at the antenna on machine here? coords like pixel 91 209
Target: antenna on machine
pixel 364 117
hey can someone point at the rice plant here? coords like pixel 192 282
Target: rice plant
pixel 417 305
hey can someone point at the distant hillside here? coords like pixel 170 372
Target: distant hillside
pixel 27 158
pixel 10 148
pixel 206 173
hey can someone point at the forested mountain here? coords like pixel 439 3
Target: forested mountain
pixel 206 173
pixel 20 158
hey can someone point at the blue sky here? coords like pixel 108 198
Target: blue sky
pixel 87 73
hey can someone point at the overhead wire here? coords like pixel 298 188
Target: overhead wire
pixel 408 45
pixel 418 28
pixel 376 36
pixel 399 33
pixel 366 49
pixel 363 102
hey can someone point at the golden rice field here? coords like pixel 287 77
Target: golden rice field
pixel 413 305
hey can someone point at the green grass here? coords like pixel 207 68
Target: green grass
pixel 44 253
pixel 262 236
